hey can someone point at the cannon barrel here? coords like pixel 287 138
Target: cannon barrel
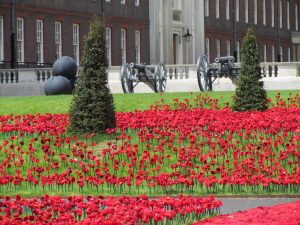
pixel 142 66
pixel 224 59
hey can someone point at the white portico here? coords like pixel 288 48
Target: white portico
pixel 171 23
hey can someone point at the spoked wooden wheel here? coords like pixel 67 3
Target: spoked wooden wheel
pixel 160 78
pixel 202 73
pixel 127 83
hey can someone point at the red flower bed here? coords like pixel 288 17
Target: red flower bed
pixel 284 214
pixel 109 211
pixel 160 150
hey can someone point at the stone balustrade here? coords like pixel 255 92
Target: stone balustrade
pixel 30 81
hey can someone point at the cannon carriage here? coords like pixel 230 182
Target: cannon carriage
pixel 208 73
pixel 154 76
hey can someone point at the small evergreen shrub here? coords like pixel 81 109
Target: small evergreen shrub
pixel 92 108
pixel 250 94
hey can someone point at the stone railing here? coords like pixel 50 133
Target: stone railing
pixel 14 82
pixel 174 72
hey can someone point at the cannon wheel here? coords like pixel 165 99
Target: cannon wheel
pixel 160 78
pixel 127 83
pixel 202 73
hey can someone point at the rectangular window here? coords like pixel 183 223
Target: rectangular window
pixel 137 46
pixel 273 13
pixel 288 15
pixel 264 13
pixel 246 11
pixel 273 53
pixel 296 17
pixel 207 48
pixel 265 53
pixel 20 40
pixel 137 2
pixel 108 45
pixel 238 51
pixel 218 45
pixel 280 13
pixel 58 44
pixel 255 11
pixel 76 43
pixel 123 46
pixel 40 41
pixel 1 40
pixel 206 8
pixel 289 54
pixel 227 9
pixel 237 15
pixel 217 9
pixel 228 48
pixel 123 1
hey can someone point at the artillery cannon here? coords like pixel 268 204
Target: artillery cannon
pixel 222 67
pixel 154 76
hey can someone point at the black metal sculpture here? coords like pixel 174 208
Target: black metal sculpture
pixel 63 77
pixel 154 76
pixel 222 67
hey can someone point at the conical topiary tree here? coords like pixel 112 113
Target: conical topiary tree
pixel 92 108
pixel 250 94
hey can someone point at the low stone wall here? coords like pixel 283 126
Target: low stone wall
pixel 180 78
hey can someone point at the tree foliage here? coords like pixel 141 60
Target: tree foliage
pixel 250 94
pixel 92 108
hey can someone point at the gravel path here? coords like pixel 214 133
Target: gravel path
pixel 231 205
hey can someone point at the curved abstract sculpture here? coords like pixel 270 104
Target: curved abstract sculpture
pixel 63 77
pixel 64 66
pixel 58 85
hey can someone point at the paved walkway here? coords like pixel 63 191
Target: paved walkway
pixel 231 205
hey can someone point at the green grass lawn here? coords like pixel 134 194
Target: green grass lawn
pixel 123 102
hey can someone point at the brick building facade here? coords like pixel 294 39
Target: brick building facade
pixel 273 23
pixel 45 30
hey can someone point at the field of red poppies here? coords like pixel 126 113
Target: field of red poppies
pixel 185 148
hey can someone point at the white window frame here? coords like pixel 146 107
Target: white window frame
pixel 123 2
pixel 273 53
pixel 227 9
pixel 76 43
pixel 20 40
pixel 40 41
pixel 206 5
pixel 265 53
pixel 218 47
pixel 207 48
pixel 123 46
pixel 177 4
pixel 296 17
pixel 137 2
pixel 238 51
pixel 138 46
pixel 108 45
pixel 255 11
pixel 264 13
pixel 280 13
pixel 273 13
pixel 58 40
pixel 1 40
pixel 228 47
pixel 217 9
pixel 288 25
pixel 246 11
